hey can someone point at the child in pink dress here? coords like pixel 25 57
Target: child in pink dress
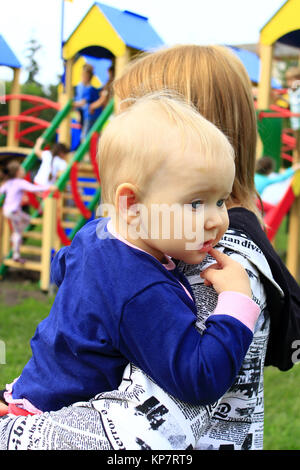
pixel 14 188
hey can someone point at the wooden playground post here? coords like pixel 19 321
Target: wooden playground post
pixel 264 89
pixel 5 235
pixel 14 110
pixel 292 261
pixel 5 232
pixel 65 96
pixel 48 237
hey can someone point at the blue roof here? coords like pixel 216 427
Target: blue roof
pixel 7 57
pixel 251 63
pixel 134 29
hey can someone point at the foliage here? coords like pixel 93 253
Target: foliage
pixel 31 87
pixel 35 89
pixel 32 67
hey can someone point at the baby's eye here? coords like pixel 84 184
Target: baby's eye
pixel 220 202
pixel 196 204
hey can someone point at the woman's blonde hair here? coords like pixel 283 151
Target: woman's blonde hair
pixel 214 80
pixel 152 137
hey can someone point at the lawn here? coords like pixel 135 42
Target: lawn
pixel 23 306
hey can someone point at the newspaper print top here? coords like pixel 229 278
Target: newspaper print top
pixel 139 415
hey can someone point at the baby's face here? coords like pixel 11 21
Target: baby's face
pixel 185 212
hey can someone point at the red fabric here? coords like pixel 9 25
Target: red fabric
pixel 15 410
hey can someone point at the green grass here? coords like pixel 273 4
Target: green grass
pixel 21 309
pixel 23 306
pixel 282 409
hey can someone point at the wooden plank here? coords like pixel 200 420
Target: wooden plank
pixel 16 150
pixel 86 167
pixel 33 235
pixel 36 221
pixel 31 250
pixel 86 174
pixel 30 265
pixel 87 184
pixel 70 210
pixel 70 196
pixel 68 224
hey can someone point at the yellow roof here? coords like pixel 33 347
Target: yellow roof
pixel 106 31
pixel 94 30
pixel 284 21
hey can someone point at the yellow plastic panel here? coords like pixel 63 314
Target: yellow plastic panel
pixel 94 30
pixel 286 19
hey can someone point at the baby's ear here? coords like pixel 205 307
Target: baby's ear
pixel 126 202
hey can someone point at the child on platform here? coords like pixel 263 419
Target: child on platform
pixel 121 298
pixel 53 161
pixel 14 188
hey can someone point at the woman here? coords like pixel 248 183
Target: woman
pixel 139 415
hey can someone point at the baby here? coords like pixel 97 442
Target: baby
pixel 166 173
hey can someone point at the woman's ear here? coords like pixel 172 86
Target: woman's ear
pixel 126 202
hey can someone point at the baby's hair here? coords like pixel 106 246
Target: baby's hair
pixel 12 169
pixel 145 140
pixel 217 83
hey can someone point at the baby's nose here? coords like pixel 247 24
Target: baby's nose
pixel 212 220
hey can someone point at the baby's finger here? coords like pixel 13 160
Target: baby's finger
pixel 210 274
pixel 220 257
pixel 212 266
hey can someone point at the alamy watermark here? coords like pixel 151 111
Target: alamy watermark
pixel 2 92
pixel 296 354
pixel 2 352
pixel 159 221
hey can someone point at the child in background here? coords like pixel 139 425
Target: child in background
pixel 105 94
pixel 85 95
pixel 266 176
pixel 292 77
pixel 14 189
pixel 53 162
pixel 121 297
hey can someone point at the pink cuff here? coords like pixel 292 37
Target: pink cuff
pixel 20 402
pixel 239 306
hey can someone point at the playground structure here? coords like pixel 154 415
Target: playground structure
pixel 283 27
pixel 105 36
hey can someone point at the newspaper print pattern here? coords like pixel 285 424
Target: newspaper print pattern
pixel 238 421
pixel 141 416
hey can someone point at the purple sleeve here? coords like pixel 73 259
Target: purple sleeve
pixel 32 188
pixel 2 188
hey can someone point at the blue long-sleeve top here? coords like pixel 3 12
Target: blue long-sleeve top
pixel 262 181
pixel 117 304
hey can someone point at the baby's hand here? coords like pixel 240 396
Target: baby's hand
pixel 226 275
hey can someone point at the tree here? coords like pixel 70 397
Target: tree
pixel 32 67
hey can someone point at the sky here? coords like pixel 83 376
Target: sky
pixel 229 22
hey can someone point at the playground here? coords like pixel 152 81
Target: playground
pixel 109 39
